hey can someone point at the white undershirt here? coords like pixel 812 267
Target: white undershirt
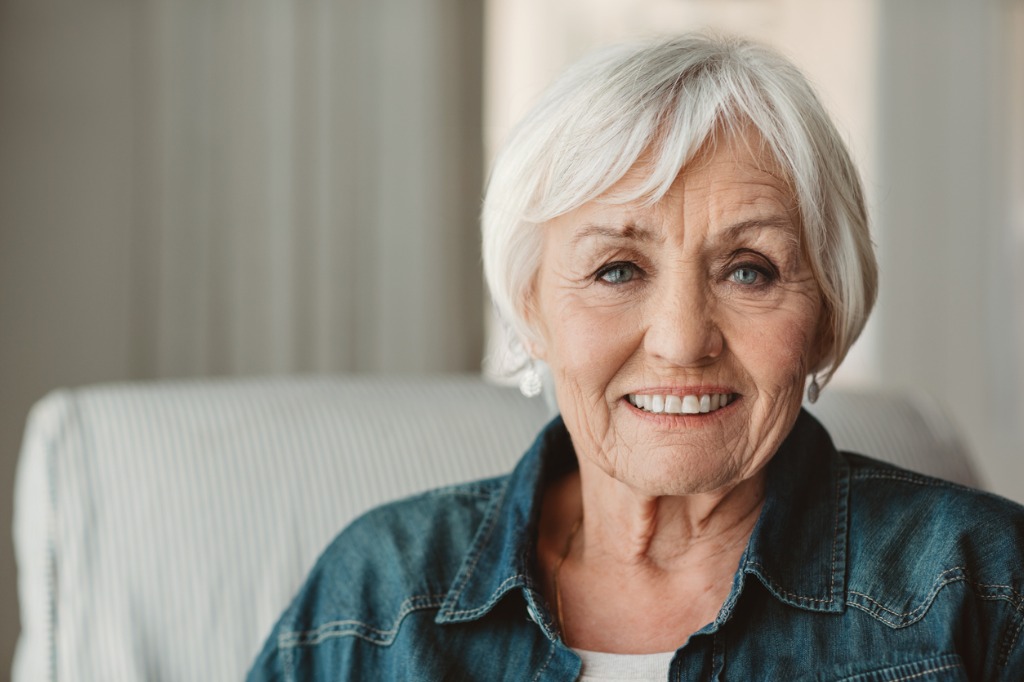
pixel 599 666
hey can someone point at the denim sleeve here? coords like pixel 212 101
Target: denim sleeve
pixel 267 665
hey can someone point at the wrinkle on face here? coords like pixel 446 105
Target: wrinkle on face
pixel 686 320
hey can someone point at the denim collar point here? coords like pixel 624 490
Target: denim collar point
pixel 500 558
pixel 471 594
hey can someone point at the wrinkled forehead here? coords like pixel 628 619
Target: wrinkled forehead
pixel 728 156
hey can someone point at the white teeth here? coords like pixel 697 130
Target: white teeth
pixel 674 404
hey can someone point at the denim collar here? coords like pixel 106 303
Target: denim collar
pixel 797 549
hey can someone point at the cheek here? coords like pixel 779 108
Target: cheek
pixel 589 339
pixel 776 348
pixel 589 345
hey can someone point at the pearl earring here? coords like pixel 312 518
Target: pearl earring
pixel 530 384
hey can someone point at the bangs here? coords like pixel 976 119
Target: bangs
pixel 656 134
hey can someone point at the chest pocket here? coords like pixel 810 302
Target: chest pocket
pixel 947 668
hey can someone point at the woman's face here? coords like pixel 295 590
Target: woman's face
pixel 648 315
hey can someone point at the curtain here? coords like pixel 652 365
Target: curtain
pixel 197 187
pixel 307 183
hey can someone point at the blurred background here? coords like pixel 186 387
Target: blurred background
pixel 228 187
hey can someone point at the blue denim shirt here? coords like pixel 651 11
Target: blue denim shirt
pixel 856 570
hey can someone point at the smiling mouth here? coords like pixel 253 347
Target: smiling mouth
pixel 674 404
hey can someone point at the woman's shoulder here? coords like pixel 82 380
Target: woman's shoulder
pixel 394 562
pixel 911 536
pixel 410 521
pixel 880 489
pixel 394 559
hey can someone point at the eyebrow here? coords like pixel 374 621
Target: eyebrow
pixel 630 231
pixel 778 222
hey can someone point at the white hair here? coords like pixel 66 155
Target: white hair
pixel 669 99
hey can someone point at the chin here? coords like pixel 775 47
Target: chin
pixel 676 478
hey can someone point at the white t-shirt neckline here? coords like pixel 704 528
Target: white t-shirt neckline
pixel 604 667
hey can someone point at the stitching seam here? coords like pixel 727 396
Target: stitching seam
pixel 1017 595
pixel 931 483
pixel 775 586
pixel 547 662
pixel 908 477
pixel 792 595
pixel 288 661
pixel 490 602
pixel 492 522
pixel 1009 642
pixel 358 628
pixel 948 666
pixel 908 617
pixel 835 544
pixel 937 585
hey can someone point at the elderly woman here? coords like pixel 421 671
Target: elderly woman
pixel 678 232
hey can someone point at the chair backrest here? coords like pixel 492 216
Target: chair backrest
pixel 160 529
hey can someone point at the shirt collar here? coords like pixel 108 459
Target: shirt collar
pixel 502 555
pixel 797 549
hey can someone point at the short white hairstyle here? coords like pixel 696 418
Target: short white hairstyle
pixel 668 99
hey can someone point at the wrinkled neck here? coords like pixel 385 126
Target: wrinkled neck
pixel 665 533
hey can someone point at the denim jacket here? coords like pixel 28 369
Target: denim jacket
pixel 856 570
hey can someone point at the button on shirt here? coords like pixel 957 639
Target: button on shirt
pixel 856 570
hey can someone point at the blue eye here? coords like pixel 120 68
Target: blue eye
pixel 618 273
pixel 745 276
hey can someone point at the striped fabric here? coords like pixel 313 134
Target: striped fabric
pixel 912 432
pixel 160 529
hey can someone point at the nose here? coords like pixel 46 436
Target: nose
pixel 681 328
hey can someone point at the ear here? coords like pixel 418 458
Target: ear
pixel 535 340
pixel 824 341
pixel 535 349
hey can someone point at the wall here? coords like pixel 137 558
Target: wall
pixel 950 303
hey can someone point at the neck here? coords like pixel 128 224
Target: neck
pixel 662 565
pixel 664 533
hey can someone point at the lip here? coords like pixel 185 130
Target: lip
pixel 685 390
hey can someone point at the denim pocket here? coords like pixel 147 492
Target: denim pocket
pixel 947 668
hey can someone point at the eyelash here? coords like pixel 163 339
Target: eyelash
pixel 611 267
pixel 767 273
